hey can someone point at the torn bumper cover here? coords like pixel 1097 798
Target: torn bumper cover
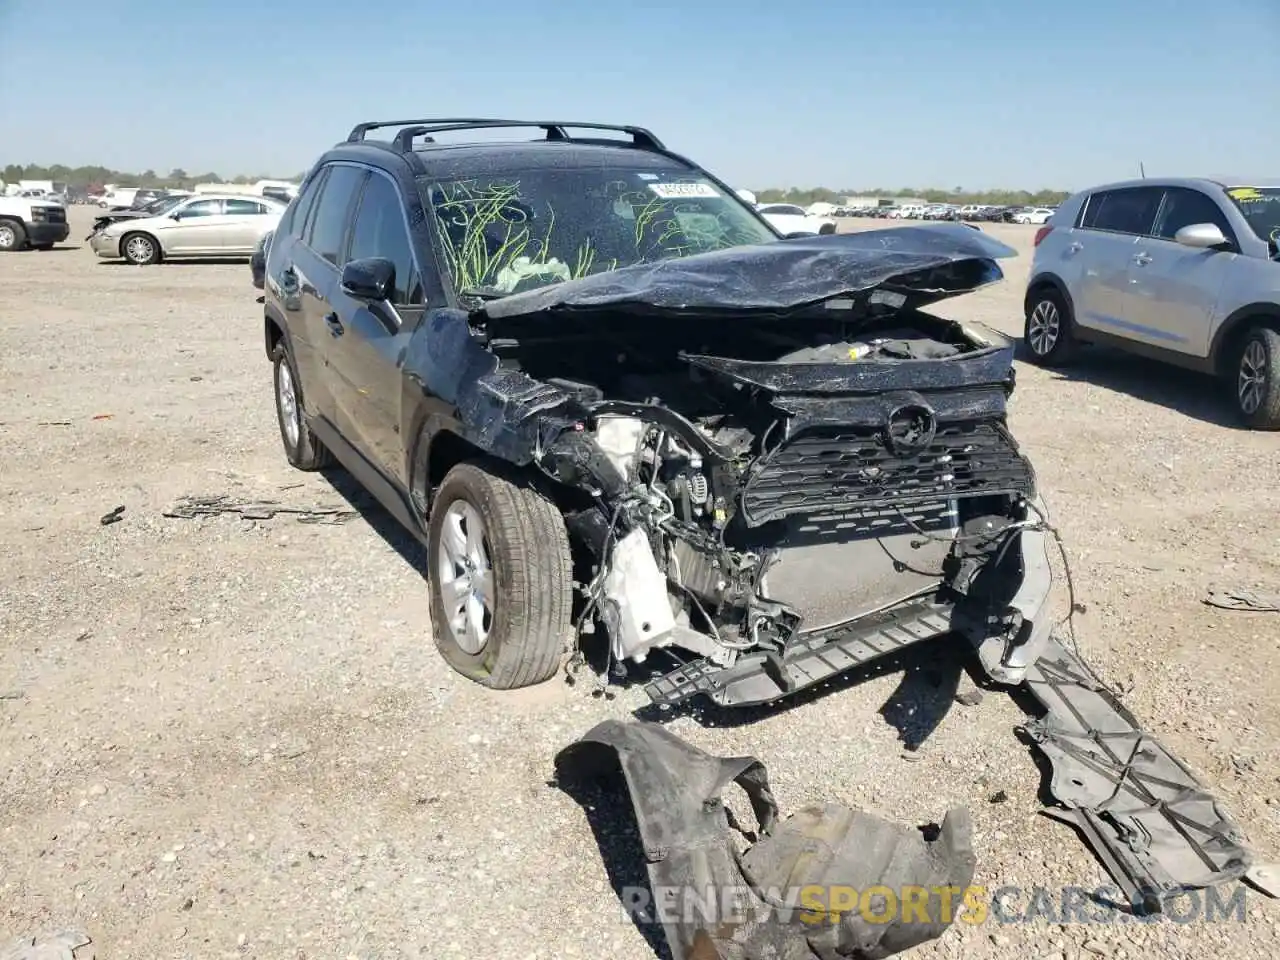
pixel 828 882
pixel 1145 816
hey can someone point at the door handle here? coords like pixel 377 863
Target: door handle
pixel 1142 259
pixel 335 325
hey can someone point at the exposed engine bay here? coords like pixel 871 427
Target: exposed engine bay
pixel 772 462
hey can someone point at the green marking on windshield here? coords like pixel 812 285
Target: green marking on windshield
pixel 499 239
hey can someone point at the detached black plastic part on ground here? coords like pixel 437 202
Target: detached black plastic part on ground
pixel 1145 816
pixel 694 864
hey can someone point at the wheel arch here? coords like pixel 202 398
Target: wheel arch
pixel 1047 281
pixel 274 331
pixel 437 450
pixel 1229 332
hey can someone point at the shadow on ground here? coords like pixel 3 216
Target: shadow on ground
pixel 181 262
pixel 1192 394
pixel 606 802
pixel 378 517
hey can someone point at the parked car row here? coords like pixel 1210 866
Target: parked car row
pixel 971 212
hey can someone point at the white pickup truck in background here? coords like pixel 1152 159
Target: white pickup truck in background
pixel 32 222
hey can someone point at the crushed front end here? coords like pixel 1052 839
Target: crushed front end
pixel 786 467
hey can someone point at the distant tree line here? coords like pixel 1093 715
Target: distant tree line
pixel 932 194
pixel 90 177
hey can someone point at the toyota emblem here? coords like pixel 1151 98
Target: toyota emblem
pixel 909 429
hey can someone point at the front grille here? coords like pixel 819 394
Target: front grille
pixel 48 215
pixel 845 467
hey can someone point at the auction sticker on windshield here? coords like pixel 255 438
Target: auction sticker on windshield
pixel 681 191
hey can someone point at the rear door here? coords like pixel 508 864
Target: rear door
pixel 364 357
pixel 193 228
pixel 1105 242
pixel 286 282
pixel 314 266
pixel 1174 290
pixel 246 221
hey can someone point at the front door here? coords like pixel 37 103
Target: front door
pixel 192 229
pixel 365 357
pixel 1174 290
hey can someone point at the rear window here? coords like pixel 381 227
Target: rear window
pixel 1130 210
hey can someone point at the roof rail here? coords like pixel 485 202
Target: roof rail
pixel 555 130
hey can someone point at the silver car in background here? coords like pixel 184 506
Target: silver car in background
pixel 1186 271
pixel 207 225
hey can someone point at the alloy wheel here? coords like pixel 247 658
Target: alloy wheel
pixel 464 574
pixel 287 397
pixel 1044 328
pixel 138 249
pixel 8 238
pixel 1252 384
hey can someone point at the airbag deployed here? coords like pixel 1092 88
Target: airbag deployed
pixel 828 882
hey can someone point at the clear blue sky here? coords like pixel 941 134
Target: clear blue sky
pixel 859 93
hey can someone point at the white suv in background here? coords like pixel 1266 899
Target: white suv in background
pixel 1036 215
pixel 1185 271
pixel 787 218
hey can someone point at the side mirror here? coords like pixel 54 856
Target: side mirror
pixel 176 215
pixel 1201 236
pixel 370 279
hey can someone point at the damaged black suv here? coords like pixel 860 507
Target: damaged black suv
pixel 611 398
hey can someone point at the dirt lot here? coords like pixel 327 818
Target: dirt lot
pixel 229 738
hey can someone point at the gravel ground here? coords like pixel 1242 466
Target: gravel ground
pixel 234 738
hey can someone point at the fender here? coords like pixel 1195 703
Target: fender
pixel 1226 331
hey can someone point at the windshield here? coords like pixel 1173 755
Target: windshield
pixel 525 229
pixel 162 204
pixel 1261 207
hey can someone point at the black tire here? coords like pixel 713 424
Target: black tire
pixel 1048 333
pixel 301 447
pixel 1255 379
pixel 13 236
pixel 140 249
pixel 527 550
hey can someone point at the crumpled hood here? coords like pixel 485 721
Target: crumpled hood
pixel 779 277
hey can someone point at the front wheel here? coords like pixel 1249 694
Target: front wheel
pixel 501 578
pixel 12 236
pixel 1257 379
pixel 140 249
pixel 1047 334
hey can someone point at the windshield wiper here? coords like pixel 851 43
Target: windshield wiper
pixel 483 293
